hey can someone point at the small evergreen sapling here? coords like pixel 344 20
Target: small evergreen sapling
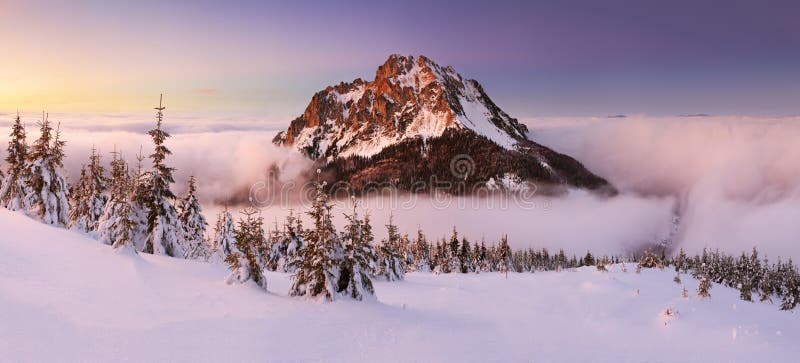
pixel 190 214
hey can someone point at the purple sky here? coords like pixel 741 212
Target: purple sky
pixel 535 58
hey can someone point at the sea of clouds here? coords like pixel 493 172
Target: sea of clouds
pixel 733 181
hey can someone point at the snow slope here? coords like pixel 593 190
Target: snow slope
pixel 64 297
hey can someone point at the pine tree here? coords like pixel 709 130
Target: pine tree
pixel 224 242
pixel 14 187
pixel 703 290
pixel 790 288
pixel 140 202
pixel 190 213
pixel 89 195
pixel 285 248
pixel 465 257
pixel 163 226
pixel 248 262
pixel 359 258
pixel 422 252
pixel 390 261
pixel 115 225
pixel 48 192
pixel 504 256
pixel 317 271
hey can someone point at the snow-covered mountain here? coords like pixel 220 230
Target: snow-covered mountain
pixel 413 109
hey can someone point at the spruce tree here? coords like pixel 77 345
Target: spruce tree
pixel 248 262
pixel 286 246
pixel 115 225
pixel 165 235
pixel 140 202
pixel 704 289
pixel 14 186
pixel 190 213
pixel 390 261
pixel 48 193
pixel 422 252
pixel 224 242
pixel 504 256
pixel 359 258
pixel 317 273
pixel 88 195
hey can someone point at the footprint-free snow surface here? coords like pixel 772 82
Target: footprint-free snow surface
pixel 64 297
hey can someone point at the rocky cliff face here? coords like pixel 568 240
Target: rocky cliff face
pixel 382 131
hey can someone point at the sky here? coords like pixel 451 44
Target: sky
pixel 265 59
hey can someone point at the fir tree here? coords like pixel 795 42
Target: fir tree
pixel 422 252
pixel 704 289
pixel 504 256
pixel 390 261
pixel 89 196
pixel 790 288
pixel 286 245
pixel 14 187
pixel 115 225
pixel 224 235
pixel 248 262
pixel 48 192
pixel 163 226
pixel 359 258
pixel 317 273
pixel 190 213
pixel 140 202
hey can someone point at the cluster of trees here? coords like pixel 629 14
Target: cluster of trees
pixel 747 273
pixel 326 264
pixel 133 210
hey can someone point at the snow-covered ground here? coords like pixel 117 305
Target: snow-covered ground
pixel 64 297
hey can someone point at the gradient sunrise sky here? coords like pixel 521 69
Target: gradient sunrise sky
pixel 534 58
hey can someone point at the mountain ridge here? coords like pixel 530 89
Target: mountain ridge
pixel 411 102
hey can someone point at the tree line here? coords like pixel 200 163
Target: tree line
pixel 134 210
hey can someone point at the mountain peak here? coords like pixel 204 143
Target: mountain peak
pixel 411 96
pixel 414 100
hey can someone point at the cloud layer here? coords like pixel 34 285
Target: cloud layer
pixel 734 181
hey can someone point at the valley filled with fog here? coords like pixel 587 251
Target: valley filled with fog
pixel 733 182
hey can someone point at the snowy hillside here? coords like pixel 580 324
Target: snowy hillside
pixel 65 297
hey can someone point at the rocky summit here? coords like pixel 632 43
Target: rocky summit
pixel 419 126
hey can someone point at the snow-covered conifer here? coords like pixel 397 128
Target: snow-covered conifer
pixel 390 261
pixel 193 222
pixel 164 229
pixel 504 256
pixel 422 252
pixel 14 185
pixel 358 260
pixel 115 225
pixel 248 262
pixel 317 271
pixel 285 246
pixel 89 195
pixel 224 241
pixel 47 192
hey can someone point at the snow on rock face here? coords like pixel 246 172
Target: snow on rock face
pixel 409 97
